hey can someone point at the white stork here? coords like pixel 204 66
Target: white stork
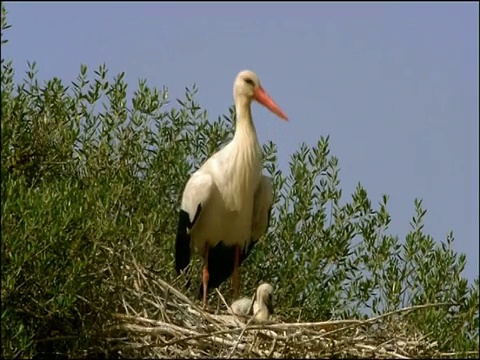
pixel 226 203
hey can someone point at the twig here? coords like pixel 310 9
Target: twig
pixel 408 309
pixel 187 300
pixel 226 305
pixel 375 319
pixel 374 349
pixel 273 347
pixel 240 337
pixel 460 353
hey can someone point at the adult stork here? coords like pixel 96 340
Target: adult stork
pixel 226 203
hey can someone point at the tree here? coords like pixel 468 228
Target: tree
pixel 91 178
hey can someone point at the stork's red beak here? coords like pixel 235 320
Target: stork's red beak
pixel 263 98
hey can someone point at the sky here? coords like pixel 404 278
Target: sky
pixel 394 85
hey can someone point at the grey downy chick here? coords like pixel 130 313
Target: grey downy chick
pixel 262 306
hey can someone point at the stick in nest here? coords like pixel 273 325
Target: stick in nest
pixel 240 337
pixel 229 309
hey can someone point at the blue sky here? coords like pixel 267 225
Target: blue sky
pixel 395 85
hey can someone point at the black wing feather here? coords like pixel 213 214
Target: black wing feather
pixel 182 241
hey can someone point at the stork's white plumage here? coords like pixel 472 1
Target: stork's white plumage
pixel 226 203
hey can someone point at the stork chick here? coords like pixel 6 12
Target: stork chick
pixel 262 306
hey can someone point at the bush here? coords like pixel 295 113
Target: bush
pixel 92 180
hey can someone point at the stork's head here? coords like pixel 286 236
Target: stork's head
pixel 265 295
pixel 247 86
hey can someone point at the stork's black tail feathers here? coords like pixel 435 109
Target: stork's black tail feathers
pixel 182 242
pixel 221 260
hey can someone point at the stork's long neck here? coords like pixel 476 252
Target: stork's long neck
pixel 245 159
pixel 245 134
pixel 262 312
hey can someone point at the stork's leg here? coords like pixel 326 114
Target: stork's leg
pixel 236 276
pixel 206 276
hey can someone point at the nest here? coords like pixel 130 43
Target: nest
pixel 170 325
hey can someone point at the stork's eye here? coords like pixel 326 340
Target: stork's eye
pixel 249 81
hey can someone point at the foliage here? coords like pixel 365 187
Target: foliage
pixel 91 180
